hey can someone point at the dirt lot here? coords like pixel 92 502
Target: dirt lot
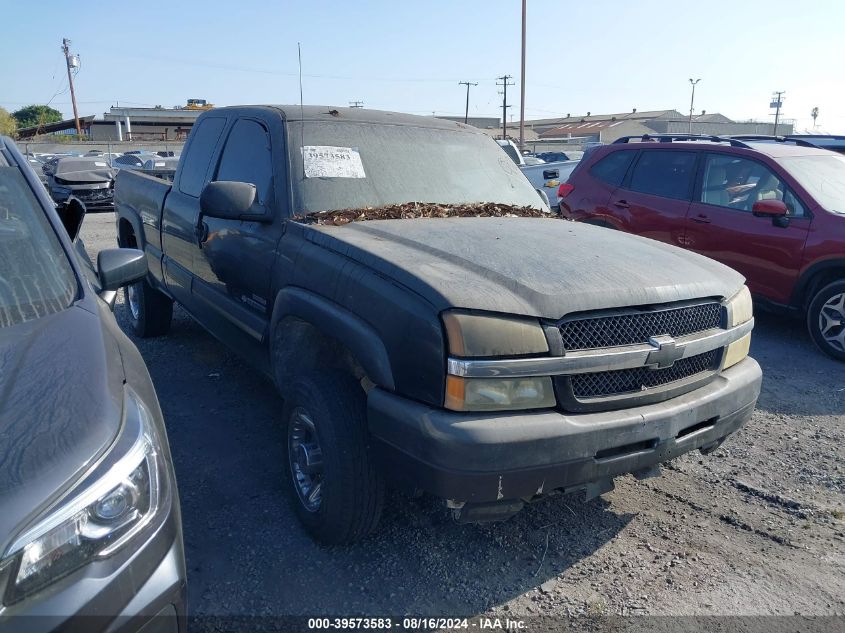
pixel 757 528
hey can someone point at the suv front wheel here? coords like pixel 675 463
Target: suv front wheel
pixel 826 319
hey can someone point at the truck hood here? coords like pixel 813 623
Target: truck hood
pixel 529 266
pixel 61 396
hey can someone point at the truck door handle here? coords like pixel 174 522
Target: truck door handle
pixel 701 219
pixel 621 204
pixel 201 232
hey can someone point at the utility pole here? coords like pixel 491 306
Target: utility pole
pixel 692 102
pixel 356 104
pixel 467 84
pixel 505 105
pixel 522 84
pixel 71 62
pixel 777 102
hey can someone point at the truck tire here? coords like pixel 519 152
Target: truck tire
pixel 150 311
pixel 826 319
pixel 336 489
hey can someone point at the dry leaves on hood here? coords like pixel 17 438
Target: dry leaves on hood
pixel 412 210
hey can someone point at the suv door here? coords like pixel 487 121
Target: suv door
pixel 721 225
pixel 235 258
pixel 654 198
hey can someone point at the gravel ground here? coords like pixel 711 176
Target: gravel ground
pixel 758 528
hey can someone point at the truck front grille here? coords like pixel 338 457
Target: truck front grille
pixel 637 326
pixel 632 381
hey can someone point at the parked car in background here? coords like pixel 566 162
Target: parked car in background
pixel 89 179
pixel 476 358
pixel 528 159
pixel 134 160
pixel 549 177
pixel 553 157
pixel 90 530
pixel 774 211
pixel 510 148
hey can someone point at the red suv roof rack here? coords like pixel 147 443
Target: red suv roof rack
pixel 668 138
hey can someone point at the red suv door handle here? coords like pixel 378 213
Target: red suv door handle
pixel 622 204
pixel 701 219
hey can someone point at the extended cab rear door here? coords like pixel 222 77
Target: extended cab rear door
pixel 182 206
pixel 721 225
pixel 655 196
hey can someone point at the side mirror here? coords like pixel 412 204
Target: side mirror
pixel 72 213
pixel 543 197
pixel 769 209
pixel 118 267
pixel 228 200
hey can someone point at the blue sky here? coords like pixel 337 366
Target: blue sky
pixel 598 55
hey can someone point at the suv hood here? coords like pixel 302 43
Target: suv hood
pixel 529 266
pixel 61 397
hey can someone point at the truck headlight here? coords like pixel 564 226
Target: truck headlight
pixel 497 394
pixel 740 310
pixel 482 335
pixel 110 505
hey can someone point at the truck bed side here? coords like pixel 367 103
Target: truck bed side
pixel 139 201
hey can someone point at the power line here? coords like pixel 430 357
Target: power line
pixel 467 84
pixel 505 105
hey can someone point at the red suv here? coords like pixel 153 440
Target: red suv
pixel 773 210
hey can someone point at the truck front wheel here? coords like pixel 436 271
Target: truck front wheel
pixel 336 488
pixel 826 319
pixel 150 311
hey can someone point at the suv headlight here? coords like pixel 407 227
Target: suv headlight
pixel 740 310
pixel 476 335
pixel 110 505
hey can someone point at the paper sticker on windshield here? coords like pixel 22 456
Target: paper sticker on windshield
pixel 325 161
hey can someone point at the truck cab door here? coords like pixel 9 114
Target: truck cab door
pixel 181 208
pixel 235 257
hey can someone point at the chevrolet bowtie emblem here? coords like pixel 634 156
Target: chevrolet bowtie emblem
pixel 665 353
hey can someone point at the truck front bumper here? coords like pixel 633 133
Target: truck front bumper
pixel 489 457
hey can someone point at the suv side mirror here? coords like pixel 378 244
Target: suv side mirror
pixel 228 200
pixel 71 214
pixel 769 208
pixel 118 267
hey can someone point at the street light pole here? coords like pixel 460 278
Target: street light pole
pixel 522 84
pixel 692 102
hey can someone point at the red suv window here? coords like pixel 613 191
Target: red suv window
pixel 612 168
pixel 665 173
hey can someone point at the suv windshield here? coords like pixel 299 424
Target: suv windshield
pixel 357 165
pixel 822 176
pixel 36 278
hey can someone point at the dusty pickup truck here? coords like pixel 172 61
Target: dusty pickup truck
pixel 426 320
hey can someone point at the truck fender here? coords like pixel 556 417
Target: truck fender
pixel 337 323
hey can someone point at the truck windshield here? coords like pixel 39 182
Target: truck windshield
pixel 36 278
pixel 356 165
pixel 822 176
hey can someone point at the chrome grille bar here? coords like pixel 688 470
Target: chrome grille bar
pixel 595 360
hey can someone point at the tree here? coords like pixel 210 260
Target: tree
pixel 8 125
pixel 33 115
